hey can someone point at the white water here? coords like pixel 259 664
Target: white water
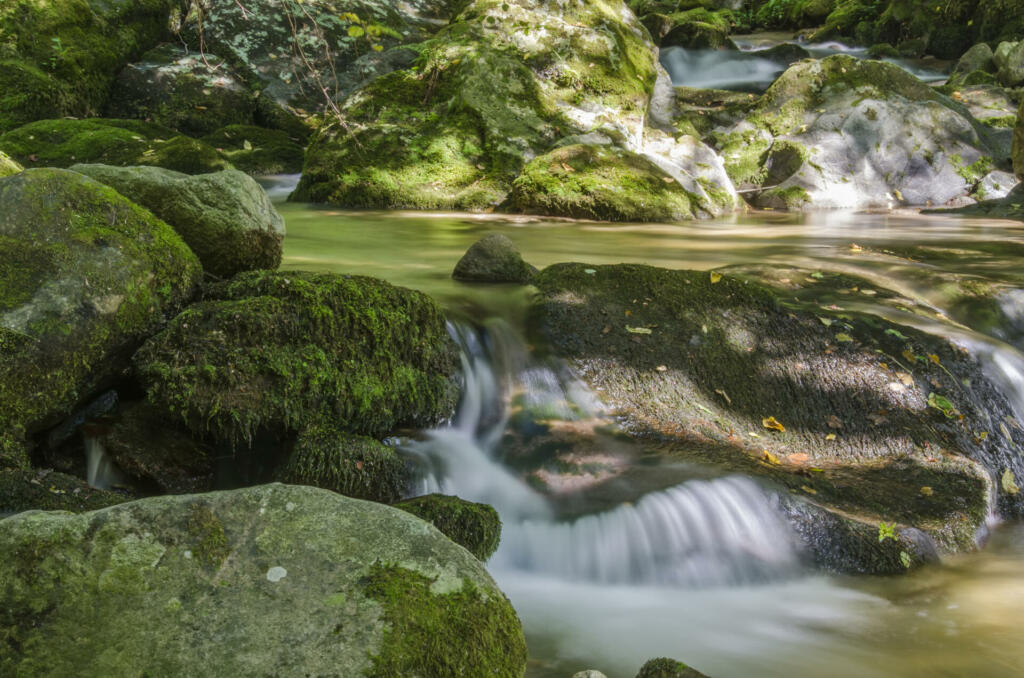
pixel 101 472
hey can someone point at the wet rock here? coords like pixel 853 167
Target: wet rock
pixel 869 421
pixel 847 133
pixel 46 490
pixel 87 277
pixel 300 579
pixel 191 92
pixel 493 258
pixel 663 667
pixel 1010 207
pixel 279 352
pixel 225 217
pixel 476 527
pixel 1018 144
pixel 258 151
pixel 1009 60
pixel 8 166
pixel 589 673
pixel 62 143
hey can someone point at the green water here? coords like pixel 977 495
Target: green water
pixel 962 618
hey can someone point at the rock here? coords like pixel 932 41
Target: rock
pixel 355 466
pixel 730 360
pixel 846 133
pixel 36 489
pixel 1018 144
pixel 62 143
pixel 493 258
pixel 225 217
pixel 8 166
pixel 88 276
pixel 1010 63
pixel 279 352
pixel 277 579
pixel 977 58
pixel 476 527
pixel 697 28
pixel 793 13
pixel 258 151
pixel 59 58
pixel 663 667
pixel 182 90
pixel 1010 207
pixel 589 673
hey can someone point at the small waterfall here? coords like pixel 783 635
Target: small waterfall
pixel 101 472
pixel 719 69
pixel 700 533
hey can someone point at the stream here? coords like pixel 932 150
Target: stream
pixel 680 562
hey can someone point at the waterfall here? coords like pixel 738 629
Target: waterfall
pixel 725 531
pixel 101 472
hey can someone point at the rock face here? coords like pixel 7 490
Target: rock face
pixel 62 143
pixel 284 351
pixel 86 277
pixel 476 527
pixel 487 97
pixel 225 217
pixel 869 422
pixel 276 580
pixel 59 57
pixel 181 90
pixel 493 258
pixel 846 133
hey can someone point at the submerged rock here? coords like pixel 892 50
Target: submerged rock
pixel 258 151
pixel 847 133
pixel 62 143
pixel 282 351
pixel 87 276
pixel 278 579
pixel 869 421
pixel 225 217
pixel 493 258
pixel 476 527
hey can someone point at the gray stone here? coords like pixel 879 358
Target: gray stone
pixel 1011 65
pixel 493 258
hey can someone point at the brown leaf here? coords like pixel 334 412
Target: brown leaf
pixel 834 422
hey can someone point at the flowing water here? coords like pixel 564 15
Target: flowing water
pixel 677 561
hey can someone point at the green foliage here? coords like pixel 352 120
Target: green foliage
pixel 886 531
pixel 476 527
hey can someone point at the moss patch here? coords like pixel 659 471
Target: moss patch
pixel 257 151
pixel 476 527
pixel 28 490
pixel 209 542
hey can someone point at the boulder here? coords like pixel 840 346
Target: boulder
pixel 355 466
pixel 62 143
pixel 225 217
pixel 275 580
pixel 663 667
pixel 87 276
pixel 476 527
pixel 696 28
pixel 282 351
pixel 493 258
pixel 192 92
pixel 8 166
pixel 846 133
pixel 866 421
pixel 258 151
pixel 60 57
pixel 1009 59
pixel 977 58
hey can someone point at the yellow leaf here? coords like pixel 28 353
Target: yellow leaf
pixel 830 436
pixel 773 423
pixel 844 338
pixel 715 277
pixel 808 490
pixel 934 358
pixel 637 330
pixel 769 457
pixel 661 368
pixel 854 247
pixel 927 491
pixel 1009 483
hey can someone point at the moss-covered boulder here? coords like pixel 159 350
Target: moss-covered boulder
pixel 59 57
pixel 847 133
pixel 697 28
pixel 1018 144
pixel 493 258
pixel 868 421
pixel 792 13
pixel 257 150
pixel 275 579
pixel 978 59
pixel 62 143
pixel 85 277
pixel 663 667
pixel 182 90
pixel 8 166
pixel 225 217
pixel 282 351
pixel 1009 59
pixel 476 527
pixel 355 466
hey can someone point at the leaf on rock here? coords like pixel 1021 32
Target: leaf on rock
pixel 927 491
pixel 769 457
pixel 1008 482
pixel 773 423
pixel 942 404
pixel 844 338
pixel 637 330
pixel 715 277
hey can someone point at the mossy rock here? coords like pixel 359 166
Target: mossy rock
pixel 305 581
pixel 793 13
pixel 13 454
pixel 68 52
pixel 696 28
pixel 493 258
pixel 602 183
pixel 45 490
pixel 663 667
pixel 258 151
pixel 687 338
pixel 225 217
pixel 8 166
pixel 476 527
pixel 181 90
pixel 282 351
pixel 86 276
pixel 1018 144
pixel 355 466
pixel 62 143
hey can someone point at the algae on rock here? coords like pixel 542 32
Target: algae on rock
pixel 474 526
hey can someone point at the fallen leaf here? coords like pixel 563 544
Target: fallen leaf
pixel 808 490
pixel 769 457
pixel 927 491
pixel 934 358
pixel 844 338
pixel 724 395
pixel 896 333
pixel 827 322
pixel 877 419
pixel 567 167
pixel 1005 431
pixel 1008 482
pixel 834 422
pixel 830 436
pixel 773 423
pixel 905 559
pixel 590 271
pixel 637 330
pixel 668 180
pixel 905 378
pixel 661 368
pixel 715 277
pixel 854 247
pixel 942 404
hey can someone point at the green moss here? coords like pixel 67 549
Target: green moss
pixel 27 490
pixel 27 94
pixel 694 29
pixel 1017 150
pixel 459 633
pixel 8 166
pixel 355 466
pixel 13 454
pixel 209 541
pixel 790 198
pixel 476 527
pixel 599 182
pixel 284 351
pixel 62 143
pixel 663 667
pixel 257 151
pixel 792 13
